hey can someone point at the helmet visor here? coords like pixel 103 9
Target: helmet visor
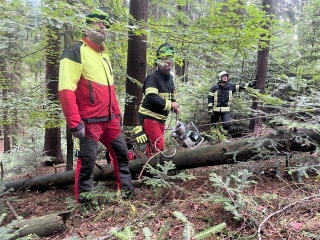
pixel 98 17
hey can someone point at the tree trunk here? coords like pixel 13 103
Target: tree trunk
pixel 52 141
pixel 42 226
pixel 136 64
pixel 262 68
pixel 223 153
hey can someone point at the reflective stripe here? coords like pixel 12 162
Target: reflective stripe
pixel 168 105
pixel 151 90
pixel 230 98
pixel 221 109
pixel 210 104
pixel 165 95
pixel 147 112
pixel 211 94
pixel 215 98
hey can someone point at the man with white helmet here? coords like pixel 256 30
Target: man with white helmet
pixel 220 99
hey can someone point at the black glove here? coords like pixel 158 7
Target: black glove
pixel 141 137
pixel 79 131
pixel 252 83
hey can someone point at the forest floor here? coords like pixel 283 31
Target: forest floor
pixel 282 205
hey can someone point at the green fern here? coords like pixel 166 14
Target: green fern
pixel 126 234
pixel 210 231
pixel 236 202
pixel 189 232
pixel 161 177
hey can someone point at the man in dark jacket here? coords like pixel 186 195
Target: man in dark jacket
pixel 88 100
pixel 158 100
pixel 220 99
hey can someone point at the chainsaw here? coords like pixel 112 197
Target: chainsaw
pixel 185 136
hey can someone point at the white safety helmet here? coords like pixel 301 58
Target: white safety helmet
pixel 222 74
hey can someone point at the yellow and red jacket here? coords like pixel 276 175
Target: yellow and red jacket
pixel 86 84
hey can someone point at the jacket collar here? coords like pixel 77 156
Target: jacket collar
pixel 96 47
pixel 163 74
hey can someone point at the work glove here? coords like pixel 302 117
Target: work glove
pixel 141 137
pixel 79 131
pixel 252 83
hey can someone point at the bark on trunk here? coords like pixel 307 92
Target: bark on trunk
pixel 223 153
pixel 136 64
pixel 42 226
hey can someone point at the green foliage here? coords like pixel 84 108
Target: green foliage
pixel 188 232
pixel 161 178
pixel 100 195
pixel 9 231
pixel 236 201
pixel 26 156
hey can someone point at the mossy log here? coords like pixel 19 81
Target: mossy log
pixel 222 153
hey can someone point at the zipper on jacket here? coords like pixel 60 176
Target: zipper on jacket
pixel 109 87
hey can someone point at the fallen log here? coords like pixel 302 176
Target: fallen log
pixel 42 226
pixel 222 153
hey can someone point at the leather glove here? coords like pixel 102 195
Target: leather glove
pixel 141 137
pixel 79 133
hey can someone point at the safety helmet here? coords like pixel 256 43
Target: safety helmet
pixel 222 74
pixel 165 50
pixel 98 15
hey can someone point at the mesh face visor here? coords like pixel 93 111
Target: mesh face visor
pixel 98 17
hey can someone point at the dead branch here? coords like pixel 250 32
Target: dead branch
pixel 283 209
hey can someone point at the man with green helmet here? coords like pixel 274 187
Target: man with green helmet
pixel 158 100
pixel 88 99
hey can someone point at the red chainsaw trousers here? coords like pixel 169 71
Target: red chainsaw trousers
pixel 155 133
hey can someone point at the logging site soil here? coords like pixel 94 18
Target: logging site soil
pixel 279 205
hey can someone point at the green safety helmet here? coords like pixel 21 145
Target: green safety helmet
pixel 165 50
pixel 98 15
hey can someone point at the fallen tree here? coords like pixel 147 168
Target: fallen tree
pixel 222 153
pixel 42 226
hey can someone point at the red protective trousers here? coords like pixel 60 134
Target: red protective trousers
pixel 155 133
pixel 109 134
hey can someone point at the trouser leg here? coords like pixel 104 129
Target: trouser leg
pixel 113 139
pixel 154 131
pixel 85 166
pixel 215 117
pixel 226 118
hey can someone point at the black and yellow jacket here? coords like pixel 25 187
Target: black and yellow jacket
pixel 220 97
pixel 158 94
pixel 86 85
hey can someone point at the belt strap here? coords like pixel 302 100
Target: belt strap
pixel 98 119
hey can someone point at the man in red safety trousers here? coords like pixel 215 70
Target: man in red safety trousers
pixel 158 100
pixel 89 103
